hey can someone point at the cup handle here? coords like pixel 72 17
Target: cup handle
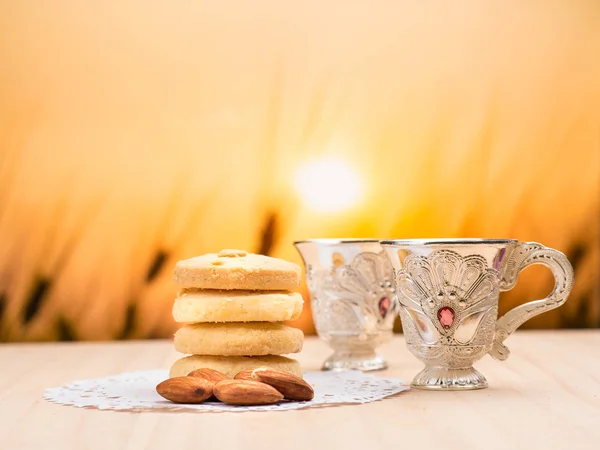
pixel 524 255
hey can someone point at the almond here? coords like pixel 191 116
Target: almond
pixel 291 386
pixel 245 392
pixel 185 389
pixel 244 375
pixel 211 375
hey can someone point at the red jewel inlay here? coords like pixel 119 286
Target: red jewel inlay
pixel 384 306
pixel 446 316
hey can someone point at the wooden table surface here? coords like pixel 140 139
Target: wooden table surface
pixel 546 395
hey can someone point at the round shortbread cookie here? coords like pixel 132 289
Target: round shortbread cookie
pixel 232 365
pixel 236 269
pixel 195 306
pixel 238 339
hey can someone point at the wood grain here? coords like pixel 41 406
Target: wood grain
pixel 547 395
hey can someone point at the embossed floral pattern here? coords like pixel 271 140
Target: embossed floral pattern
pixel 358 298
pixel 448 305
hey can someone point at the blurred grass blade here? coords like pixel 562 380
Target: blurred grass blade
pixel 33 303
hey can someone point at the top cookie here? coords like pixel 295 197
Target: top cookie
pixel 236 269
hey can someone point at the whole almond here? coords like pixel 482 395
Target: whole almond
pixel 291 386
pixel 245 392
pixel 185 389
pixel 211 375
pixel 244 375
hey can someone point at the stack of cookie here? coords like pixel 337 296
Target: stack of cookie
pixel 232 304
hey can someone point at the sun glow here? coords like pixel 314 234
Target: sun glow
pixel 328 184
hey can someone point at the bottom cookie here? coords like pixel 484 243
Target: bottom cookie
pixel 232 365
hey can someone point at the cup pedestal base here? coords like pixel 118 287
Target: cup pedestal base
pixel 348 360
pixel 443 379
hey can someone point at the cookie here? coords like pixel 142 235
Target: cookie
pixel 236 269
pixel 232 365
pixel 194 306
pixel 238 339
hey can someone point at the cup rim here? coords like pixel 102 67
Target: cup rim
pixel 447 241
pixel 335 241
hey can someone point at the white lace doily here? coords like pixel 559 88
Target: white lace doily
pixel 137 391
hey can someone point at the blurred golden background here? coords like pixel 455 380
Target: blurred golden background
pixel 136 133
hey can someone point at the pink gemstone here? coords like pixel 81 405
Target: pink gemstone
pixel 384 306
pixel 446 316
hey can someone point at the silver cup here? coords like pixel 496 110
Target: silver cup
pixel 353 299
pixel 448 293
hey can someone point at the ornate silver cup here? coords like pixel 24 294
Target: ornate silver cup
pixel 353 299
pixel 448 293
